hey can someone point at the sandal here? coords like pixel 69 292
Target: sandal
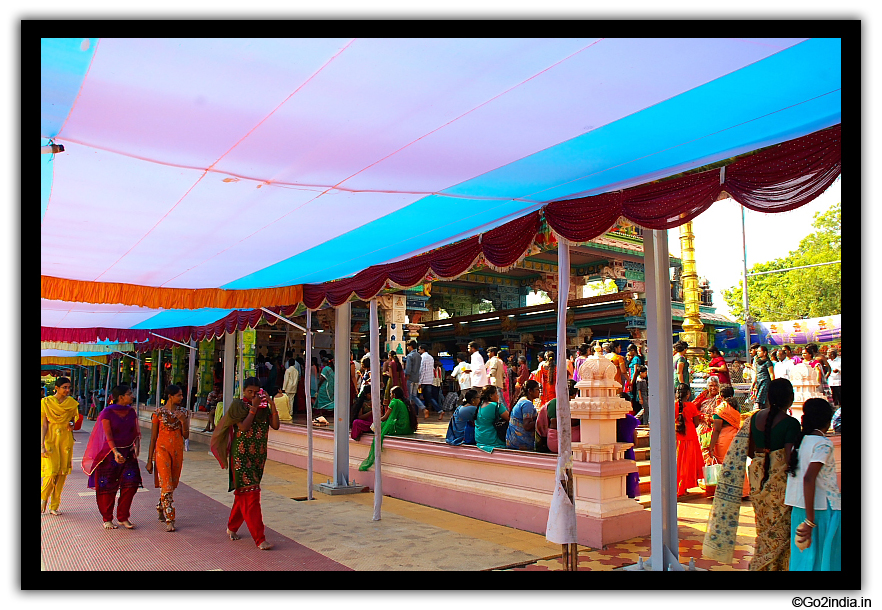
pixel 108 525
pixel 159 510
pixel 127 524
pixel 170 526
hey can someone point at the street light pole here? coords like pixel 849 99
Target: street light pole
pixel 744 290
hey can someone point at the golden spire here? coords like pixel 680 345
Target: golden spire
pixel 692 325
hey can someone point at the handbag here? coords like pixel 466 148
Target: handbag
pixel 712 477
pixel 501 427
pixel 79 422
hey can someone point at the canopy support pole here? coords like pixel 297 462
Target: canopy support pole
pixel 376 406
pixel 744 294
pixel 307 388
pixel 138 378
pixel 569 554
pixel 229 369
pixel 663 465
pixel 341 394
pixel 158 377
pixel 191 373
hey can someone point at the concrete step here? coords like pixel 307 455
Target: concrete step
pixel 645 499
pixel 644 484
pixel 643 468
pixel 642 438
pixel 641 453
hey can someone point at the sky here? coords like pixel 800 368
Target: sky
pixel 718 245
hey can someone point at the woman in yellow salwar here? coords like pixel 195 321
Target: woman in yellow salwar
pixel 768 437
pixel 57 414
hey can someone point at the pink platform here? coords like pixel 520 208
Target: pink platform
pixel 511 488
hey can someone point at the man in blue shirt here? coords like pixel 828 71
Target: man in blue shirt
pixel 412 375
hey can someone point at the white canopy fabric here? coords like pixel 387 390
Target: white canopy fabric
pixel 242 164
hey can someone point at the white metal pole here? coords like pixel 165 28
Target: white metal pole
pixel 744 290
pixel 158 378
pixel 342 374
pixel 663 465
pixel 191 374
pixel 375 402
pixel 240 363
pixel 138 386
pixel 564 425
pixel 107 385
pixel 229 370
pixel 307 386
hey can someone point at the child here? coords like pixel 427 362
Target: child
pixel 641 390
pixel 814 495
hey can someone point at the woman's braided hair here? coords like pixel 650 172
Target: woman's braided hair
pixel 683 392
pixel 780 397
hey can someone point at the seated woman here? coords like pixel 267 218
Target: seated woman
pixel 364 415
pixel 489 412
pixel 461 429
pixel 522 423
pixel 398 420
pixel 551 415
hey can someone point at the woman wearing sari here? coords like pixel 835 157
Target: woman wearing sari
pixel 324 396
pixel 111 457
pixel 690 463
pixel 818 362
pixel 765 373
pixel 707 403
pixel 522 422
pixel 768 437
pixel 393 373
pixel 548 378
pixel 726 424
pixel 363 413
pixel 56 443
pixel 398 420
pixel 170 427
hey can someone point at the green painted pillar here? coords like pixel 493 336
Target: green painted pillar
pixel 178 374
pixel 206 360
pixel 249 340
pixel 154 371
pixel 127 363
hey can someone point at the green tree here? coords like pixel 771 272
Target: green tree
pixel 801 293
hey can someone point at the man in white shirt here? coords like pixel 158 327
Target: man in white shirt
pixel 494 373
pixel 427 375
pixel 461 374
pixel 289 384
pixel 477 368
pixel 783 366
pixel 835 379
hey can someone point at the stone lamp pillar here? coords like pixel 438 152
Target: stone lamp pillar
pixel 805 385
pixel 602 493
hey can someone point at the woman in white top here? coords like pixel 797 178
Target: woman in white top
pixel 815 522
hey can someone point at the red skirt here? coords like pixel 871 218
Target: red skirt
pixel 690 464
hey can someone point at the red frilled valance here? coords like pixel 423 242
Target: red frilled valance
pixel 238 320
pixel 777 179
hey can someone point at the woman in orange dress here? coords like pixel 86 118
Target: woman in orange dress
pixel 171 425
pixel 548 378
pixel 690 463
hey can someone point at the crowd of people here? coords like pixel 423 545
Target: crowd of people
pixel 495 402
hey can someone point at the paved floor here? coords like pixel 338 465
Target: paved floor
pixel 327 533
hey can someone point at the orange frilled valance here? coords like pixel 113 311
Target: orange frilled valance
pixel 85 361
pixel 59 289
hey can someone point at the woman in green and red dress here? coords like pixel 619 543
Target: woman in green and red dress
pixel 239 443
